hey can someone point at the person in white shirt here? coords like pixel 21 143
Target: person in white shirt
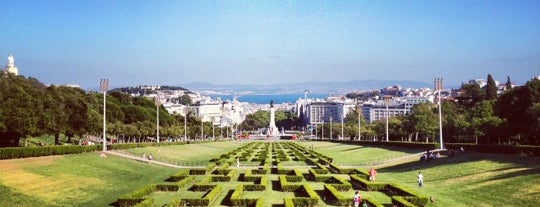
pixel 420 179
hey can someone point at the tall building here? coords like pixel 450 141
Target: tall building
pixel 377 111
pixel 10 68
pixel 319 112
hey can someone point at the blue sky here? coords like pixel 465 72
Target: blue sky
pixel 264 42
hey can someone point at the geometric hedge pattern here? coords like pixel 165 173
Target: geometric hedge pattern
pixel 283 166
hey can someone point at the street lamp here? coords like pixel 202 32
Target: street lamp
pixel 104 86
pixel 359 115
pixel 157 117
pixel 331 118
pixel 342 125
pixel 185 123
pixel 387 102
pixel 439 87
pixel 202 129
pixel 213 134
pixel 322 132
pixel 316 130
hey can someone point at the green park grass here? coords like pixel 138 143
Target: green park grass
pixel 469 179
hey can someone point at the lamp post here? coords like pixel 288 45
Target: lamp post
pixel 439 87
pixel 104 86
pixel 157 117
pixel 322 130
pixel 316 130
pixel 213 133
pixel 387 102
pixel 185 123
pixel 331 127
pixel 359 117
pixel 342 137
pixel 202 129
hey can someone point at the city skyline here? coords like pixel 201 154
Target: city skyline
pixel 270 42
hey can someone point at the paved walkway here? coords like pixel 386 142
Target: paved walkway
pixel 384 163
pixel 119 154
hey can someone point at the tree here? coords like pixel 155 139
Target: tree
pixel 491 88
pixel 455 121
pixel 518 108
pixel 21 108
pixel 424 120
pixel 257 120
pixel 483 121
pixel 470 94
pixel 185 100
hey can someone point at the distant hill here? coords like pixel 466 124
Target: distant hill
pixel 313 87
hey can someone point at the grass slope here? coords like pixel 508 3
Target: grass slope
pixel 469 179
pixel 73 180
pixel 473 179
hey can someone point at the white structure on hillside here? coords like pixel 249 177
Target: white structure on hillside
pixel 10 67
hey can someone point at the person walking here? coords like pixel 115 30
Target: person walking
pixel 420 178
pixel 372 173
pixel 150 158
pixel 237 162
pixel 144 156
pixel 357 199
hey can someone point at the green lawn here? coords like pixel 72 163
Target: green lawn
pixel 473 179
pixel 469 179
pixel 73 180
pixel 189 154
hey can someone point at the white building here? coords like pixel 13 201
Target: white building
pixel 374 111
pixel 10 67
pixel 325 112
pixel 208 111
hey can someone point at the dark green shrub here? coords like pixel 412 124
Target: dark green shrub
pixel 197 172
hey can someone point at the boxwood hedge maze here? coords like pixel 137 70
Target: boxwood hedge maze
pixel 270 174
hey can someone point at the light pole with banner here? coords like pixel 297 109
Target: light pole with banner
pixel 439 88
pixel 103 87
pixel 386 103
pixel 331 118
pixel 359 119
pixel 157 117
pixel 185 122
pixel 342 114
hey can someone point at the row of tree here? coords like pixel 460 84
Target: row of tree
pixel 476 115
pixel 29 108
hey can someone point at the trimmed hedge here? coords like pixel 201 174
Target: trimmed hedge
pixel 310 199
pixel 339 184
pixel 197 171
pixel 335 196
pixel 206 200
pixel 408 194
pixel 295 177
pixel 24 152
pixel 401 201
pixel 178 176
pixel 237 200
pixel 365 184
pixel 285 186
pixel 135 197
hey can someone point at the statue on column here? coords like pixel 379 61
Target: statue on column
pixel 272 129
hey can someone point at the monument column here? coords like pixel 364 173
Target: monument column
pixel 272 129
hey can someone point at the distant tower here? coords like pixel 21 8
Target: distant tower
pixel 10 68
